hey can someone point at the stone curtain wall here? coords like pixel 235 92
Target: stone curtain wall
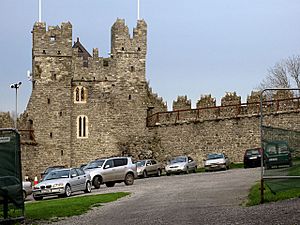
pixel 230 135
pixel 6 121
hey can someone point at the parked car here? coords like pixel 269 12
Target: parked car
pixel 216 161
pixel 111 170
pixel 62 182
pixel 277 153
pixel 252 157
pixel 49 169
pixel 149 167
pixel 27 189
pixel 181 164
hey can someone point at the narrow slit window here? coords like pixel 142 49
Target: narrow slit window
pixel 82 127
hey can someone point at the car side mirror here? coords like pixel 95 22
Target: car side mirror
pixel 148 164
pixel 106 166
pixel 73 175
pixel 190 160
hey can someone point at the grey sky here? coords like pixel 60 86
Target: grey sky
pixel 195 47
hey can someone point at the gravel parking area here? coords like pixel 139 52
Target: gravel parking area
pixel 202 198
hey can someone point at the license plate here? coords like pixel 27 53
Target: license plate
pixel 253 157
pixel 46 191
pixel 273 159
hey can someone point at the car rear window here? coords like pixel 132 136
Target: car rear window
pixel 252 152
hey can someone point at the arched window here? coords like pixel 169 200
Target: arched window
pixel 82 126
pixel 80 94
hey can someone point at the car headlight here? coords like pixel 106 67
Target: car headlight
pixel 58 185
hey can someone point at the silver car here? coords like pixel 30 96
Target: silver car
pixel 63 182
pixel 149 167
pixel 216 161
pixel 181 164
pixel 112 170
pixel 27 189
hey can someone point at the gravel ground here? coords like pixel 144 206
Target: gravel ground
pixel 203 198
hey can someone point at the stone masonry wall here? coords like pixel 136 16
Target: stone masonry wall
pixel 6 121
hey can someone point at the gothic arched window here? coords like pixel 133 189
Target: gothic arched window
pixel 80 94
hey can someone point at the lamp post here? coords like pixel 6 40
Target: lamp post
pixel 16 86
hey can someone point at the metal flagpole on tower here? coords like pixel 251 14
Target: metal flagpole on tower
pixel 138 9
pixel 40 10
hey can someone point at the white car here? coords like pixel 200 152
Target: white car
pixel 181 164
pixel 63 182
pixel 216 161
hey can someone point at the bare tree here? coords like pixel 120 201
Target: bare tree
pixel 285 74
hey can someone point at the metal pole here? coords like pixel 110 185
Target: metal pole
pixel 16 116
pixel 138 9
pixel 40 10
pixel 16 86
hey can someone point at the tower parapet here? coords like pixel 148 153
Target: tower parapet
pixel 56 41
pixel 121 42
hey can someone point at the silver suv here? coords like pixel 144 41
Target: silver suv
pixel 111 170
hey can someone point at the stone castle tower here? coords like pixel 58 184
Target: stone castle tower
pixel 83 106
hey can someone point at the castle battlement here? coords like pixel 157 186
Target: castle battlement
pixel 231 107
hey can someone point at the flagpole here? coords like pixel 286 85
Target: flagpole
pixel 40 10
pixel 138 9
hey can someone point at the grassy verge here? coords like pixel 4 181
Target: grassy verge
pixel 254 195
pixel 236 165
pixel 55 208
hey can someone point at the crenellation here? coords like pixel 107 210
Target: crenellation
pixel 206 101
pixel 181 103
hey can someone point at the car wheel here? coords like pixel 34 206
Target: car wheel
pixel 158 173
pixel 195 169
pixel 145 175
pixel 110 184
pixel 187 171
pixel 68 191
pixel 24 195
pixel 129 179
pixel 37 198
pixel 88 187
pixel 291 164
pixel 97 182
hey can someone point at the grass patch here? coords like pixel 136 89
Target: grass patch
pixel 236 165
pixel 55 208
pixel 295 170
pixel 254 195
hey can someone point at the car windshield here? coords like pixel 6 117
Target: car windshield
pixel 271 149
pixel 57 174
pixel 252 152
pixel 178 160
pixel 141 163
pixel 94 164
pixel 48 170
pixel 215 156
pixel 283 149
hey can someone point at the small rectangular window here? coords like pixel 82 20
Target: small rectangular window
pixel 105 63
pixel 52 38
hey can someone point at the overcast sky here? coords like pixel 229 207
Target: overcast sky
pixel 195 47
